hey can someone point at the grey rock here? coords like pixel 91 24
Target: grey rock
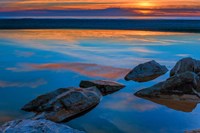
pixel 146 72
pixel 193 131
pixel 186 64
pixel 184 86
pixel 36 126
pixel 64 104
pixel 106 87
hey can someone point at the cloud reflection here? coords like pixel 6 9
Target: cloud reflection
pixel 23 53
pixel 128 102
pixel 73 36
pixel 144 50
pixel 92 45
pixel 183 55
pixel 91 70
pixel 33 84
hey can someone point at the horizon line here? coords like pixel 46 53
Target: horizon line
pixel 105 17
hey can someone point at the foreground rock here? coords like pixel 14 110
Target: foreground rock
pixel 146 72
pixel 184 86
pixel 106 87
pixel 193 131
pixel 36 126
pixel 64 104
pixel 186 64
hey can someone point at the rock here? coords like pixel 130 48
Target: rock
pixel 146 72
pixel 184 86
pixel 64 104
pixel 36 126
pixel 193 131
pixel 186 64
pixel 106 87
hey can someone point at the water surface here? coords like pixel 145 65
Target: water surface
pixel 33 62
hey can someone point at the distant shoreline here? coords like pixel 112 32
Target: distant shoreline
pixel 106 24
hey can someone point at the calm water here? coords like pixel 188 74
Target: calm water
pixel 33 62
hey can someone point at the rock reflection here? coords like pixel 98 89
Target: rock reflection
pixel 128 102
pixel 184 106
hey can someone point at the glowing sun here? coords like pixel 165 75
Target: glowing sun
pixel 145 4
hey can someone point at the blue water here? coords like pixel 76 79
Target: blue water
pixel 33 62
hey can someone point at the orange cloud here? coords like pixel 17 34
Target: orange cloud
pixel 143 7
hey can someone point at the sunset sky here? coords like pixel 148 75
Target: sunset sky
pixel 99 8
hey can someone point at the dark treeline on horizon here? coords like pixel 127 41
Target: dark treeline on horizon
pixel 118 24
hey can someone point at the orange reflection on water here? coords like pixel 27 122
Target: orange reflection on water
pixel 73 36
pixel 91 70
pixel 32 84
pixel 91 44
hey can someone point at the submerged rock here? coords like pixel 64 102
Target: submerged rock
pixel 146 72
pixel 184 86
pixel 186 64
pixel 106 87
pixel 64 104
pixel 36 126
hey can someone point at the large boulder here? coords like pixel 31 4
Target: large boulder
pixel 184 86
pixel 146 72
pixel 186 64
pixel 64 104
pixel 106 87
pixel 36 126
